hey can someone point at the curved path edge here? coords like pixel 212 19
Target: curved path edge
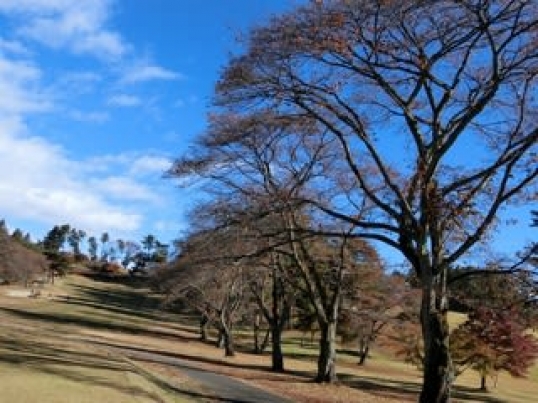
pixel 224 388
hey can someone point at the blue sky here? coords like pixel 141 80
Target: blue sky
pixel 97 97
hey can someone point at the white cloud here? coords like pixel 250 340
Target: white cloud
pixel 77 83
pixel 147 72
pixel 42 184
pixel 136 164
pixel 83 210
pixel 90 117
pixel 13 47
pixel 124 100
pixel 41 181
pixel 79 26
pixel 101 44
pixel 121 187
pixel 19 86
pixel 104 163
pixel 150 165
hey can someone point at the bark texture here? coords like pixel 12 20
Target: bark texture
pixel 327 354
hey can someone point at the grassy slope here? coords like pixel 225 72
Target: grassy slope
pixel 45 357
pixel 62 351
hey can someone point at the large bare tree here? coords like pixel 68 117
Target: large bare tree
pixel 432 104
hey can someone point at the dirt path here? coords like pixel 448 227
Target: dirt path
pixel 221 388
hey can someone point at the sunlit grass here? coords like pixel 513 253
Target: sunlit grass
pixel 46 346
pixel 45 357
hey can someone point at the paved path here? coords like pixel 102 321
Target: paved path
pixel 224 388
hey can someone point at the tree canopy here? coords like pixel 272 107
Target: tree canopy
pixel 373 105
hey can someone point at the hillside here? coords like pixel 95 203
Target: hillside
pixel 102 340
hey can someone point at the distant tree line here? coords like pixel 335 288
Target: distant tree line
pixel 65 246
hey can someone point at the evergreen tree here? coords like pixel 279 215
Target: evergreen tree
pixel 18 235
pixel 3 227
pixel 105 238
pixel 52 245
pixel 92 248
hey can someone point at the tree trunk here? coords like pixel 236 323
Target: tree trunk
pixel 364 349
pixel 276 354
pixel 483 386
pixel 204 321
pixel 280 315
pixel 327 353
pixel 256 330
pixel 265 341
pixel 220 339
pixel 437 377
pixel 229 347
pixel 226 334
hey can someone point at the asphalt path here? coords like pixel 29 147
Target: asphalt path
pixel 219 387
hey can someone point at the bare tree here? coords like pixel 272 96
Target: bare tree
pixel 273 297
pixel 406 88
pixel 325 266
pixel 373 304
pixel 207 276
pixel 271 163
pixel 19 263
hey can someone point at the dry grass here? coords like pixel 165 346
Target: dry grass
pixel 44 357
pixel 86 327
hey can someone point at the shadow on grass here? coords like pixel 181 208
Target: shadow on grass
pixel 380 386
pixel 197 395
pixel 21 351
pixel 347 351
pixel 70 365
pixel 384 387
pixel 67 364
pixel 126 298
pixel 376 386
pixel 97 324
pixel 137 302
pixel 134 302
pixel 185 360
pixel 123 279
pixel 170 321
pixel 463 394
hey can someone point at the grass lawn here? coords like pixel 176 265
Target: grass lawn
pixel 61 348
pixel 45 357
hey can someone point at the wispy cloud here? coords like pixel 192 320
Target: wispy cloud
pixel 124 100
pixel 150 165
pixel 20 89
pixel 136 165
pixel 148 72
pixel 77 83
pixel 13 47
pixel 89 117
pixel 42 182
pixel 122 187
pixel 51 188
pixel 79 26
